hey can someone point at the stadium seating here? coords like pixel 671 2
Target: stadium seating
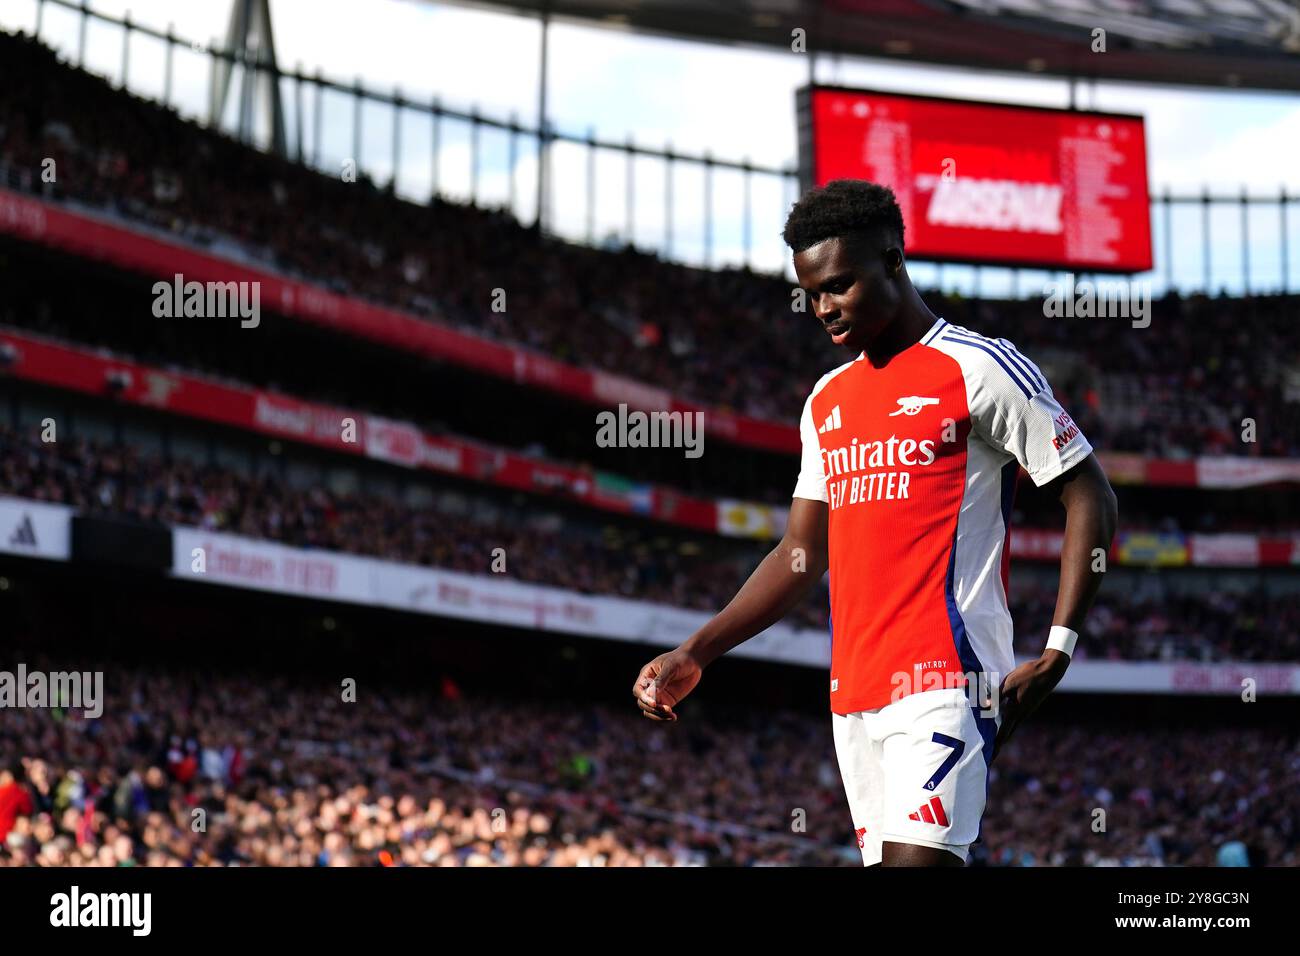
pixel 428 779
pixel 1180 387
pixel 458 530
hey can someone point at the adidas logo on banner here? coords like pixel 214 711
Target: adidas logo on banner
pixel 923 815
pixel 24 535
pixel 832 421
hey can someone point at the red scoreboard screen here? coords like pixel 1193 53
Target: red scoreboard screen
pixel 990 184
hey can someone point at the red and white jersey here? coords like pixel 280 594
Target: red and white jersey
pixel 918 463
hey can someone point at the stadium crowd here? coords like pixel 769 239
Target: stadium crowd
pixel 188 769
pixel 1181 386
pixel 104 316
pixel 1197 625
pixel 459 531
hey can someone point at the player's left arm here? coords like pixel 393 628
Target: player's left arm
pixel 1091 514
pixel 1015 411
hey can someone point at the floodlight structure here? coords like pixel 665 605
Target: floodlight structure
pixel 250 44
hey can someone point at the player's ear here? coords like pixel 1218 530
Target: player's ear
pixel 893 261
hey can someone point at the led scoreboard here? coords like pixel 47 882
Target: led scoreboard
pixel 986 183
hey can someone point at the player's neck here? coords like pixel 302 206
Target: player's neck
pixel 904 332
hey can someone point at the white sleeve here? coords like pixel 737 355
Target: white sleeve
pixel 812 476
pixel 1013 410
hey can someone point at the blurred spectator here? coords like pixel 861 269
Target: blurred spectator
pixel 14 802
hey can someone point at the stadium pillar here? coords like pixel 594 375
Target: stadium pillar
pixel 1286 279
pixel 356 124
pixel 1245 241
pixel 514 154
pixel 1169 240
pixel 81 34
pixel 473 154
pixel 397 134
pixel 215 66
pixel 1205 236
pixel 708 209
pixel 246 98
pixel 748 226
pixel 629 195
pixel 435 156
pixel 591 185
pixel 297 113
pixel 167 65
pixel 126 47
pixel 318 118
pixel 540 223
pixel 668 200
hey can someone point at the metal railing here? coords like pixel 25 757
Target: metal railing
pixel 308 149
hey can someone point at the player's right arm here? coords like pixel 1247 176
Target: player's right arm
pixel 778 584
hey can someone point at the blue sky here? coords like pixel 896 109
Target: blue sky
pixel 736 102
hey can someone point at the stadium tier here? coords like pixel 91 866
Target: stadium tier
pixel 702 336
pixel 223 490
pixel 518 440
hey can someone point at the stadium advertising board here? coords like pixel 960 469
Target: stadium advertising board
pixel 239 562
pixel 35 529
pixel 987 183
pixel 212 557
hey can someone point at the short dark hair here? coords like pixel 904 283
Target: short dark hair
pixel 844 208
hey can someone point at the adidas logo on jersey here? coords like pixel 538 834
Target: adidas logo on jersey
pixel 924 814
pixel 912 404
pixel 832 421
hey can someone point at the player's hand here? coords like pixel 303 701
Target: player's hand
pixel 664 682
pixel 1024 689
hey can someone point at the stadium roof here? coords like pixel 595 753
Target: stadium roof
pixel 1253 44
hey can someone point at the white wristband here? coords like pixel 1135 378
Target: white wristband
pixel 1062 639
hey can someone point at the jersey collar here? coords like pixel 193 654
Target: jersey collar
pixel 929 333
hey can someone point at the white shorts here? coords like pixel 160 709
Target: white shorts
pixel 916 771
